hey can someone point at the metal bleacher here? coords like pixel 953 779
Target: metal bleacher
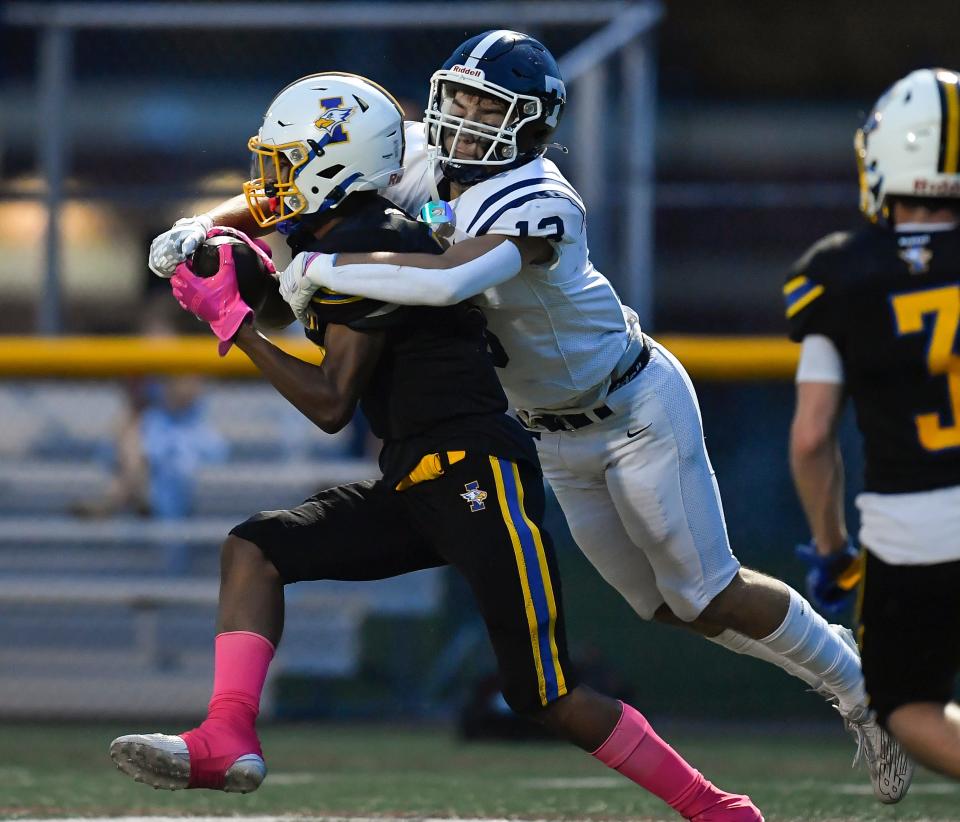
pixel 95 624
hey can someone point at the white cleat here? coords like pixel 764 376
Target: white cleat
pixel 163 761
pixel 891 770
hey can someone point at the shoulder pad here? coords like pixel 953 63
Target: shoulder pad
pixel 415 135
pixel 414 188
pixel 377 225
pixel 544 206
pixel 821 257
pixel 813 284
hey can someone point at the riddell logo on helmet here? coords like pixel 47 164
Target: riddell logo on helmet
pixel 940 188
pixel 470 72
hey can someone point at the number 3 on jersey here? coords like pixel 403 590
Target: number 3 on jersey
pixel 944 305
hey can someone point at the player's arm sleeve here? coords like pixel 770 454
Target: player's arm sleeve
pixel 464 270
pixel 819 361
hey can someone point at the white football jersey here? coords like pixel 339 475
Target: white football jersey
pixel 560 324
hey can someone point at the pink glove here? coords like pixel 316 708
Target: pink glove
pixel 215 299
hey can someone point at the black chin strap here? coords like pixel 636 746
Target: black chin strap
pixel 472 174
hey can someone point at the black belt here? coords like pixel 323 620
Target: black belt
pixel 572 422
pixel 635 368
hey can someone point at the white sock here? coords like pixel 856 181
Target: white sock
pixel 742 644
pixel 805 639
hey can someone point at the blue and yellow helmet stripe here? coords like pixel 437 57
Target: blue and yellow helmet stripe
pixel 948 161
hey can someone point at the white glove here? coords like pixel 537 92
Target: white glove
pixel 306 274
pixel 172 247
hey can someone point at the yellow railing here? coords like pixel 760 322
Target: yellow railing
pixel 708 358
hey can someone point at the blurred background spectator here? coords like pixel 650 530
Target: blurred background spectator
pixel 164 436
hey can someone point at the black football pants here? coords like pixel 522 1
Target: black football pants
pixel 483 515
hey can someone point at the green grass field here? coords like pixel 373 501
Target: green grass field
pixel 322 771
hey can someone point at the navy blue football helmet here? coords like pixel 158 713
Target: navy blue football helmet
pixel 504 65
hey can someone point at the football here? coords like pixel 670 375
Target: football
pixel 258 287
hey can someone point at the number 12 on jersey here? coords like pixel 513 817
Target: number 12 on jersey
pixel 523 227
pixel 910 310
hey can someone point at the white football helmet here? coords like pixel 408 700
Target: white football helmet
pixel 322 137
pixel 910 144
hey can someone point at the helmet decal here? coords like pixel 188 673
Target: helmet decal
pixel 469 72
pixel 331 120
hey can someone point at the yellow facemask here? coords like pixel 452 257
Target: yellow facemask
pixel 273 196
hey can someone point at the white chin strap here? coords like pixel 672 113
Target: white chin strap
pixel 433 161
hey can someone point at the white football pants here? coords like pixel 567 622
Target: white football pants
pixel 640 496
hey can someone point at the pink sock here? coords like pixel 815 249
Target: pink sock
pixel 241 660
pixel 634 749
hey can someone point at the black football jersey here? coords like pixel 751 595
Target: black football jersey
pixel 890 302
pixel 435 387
